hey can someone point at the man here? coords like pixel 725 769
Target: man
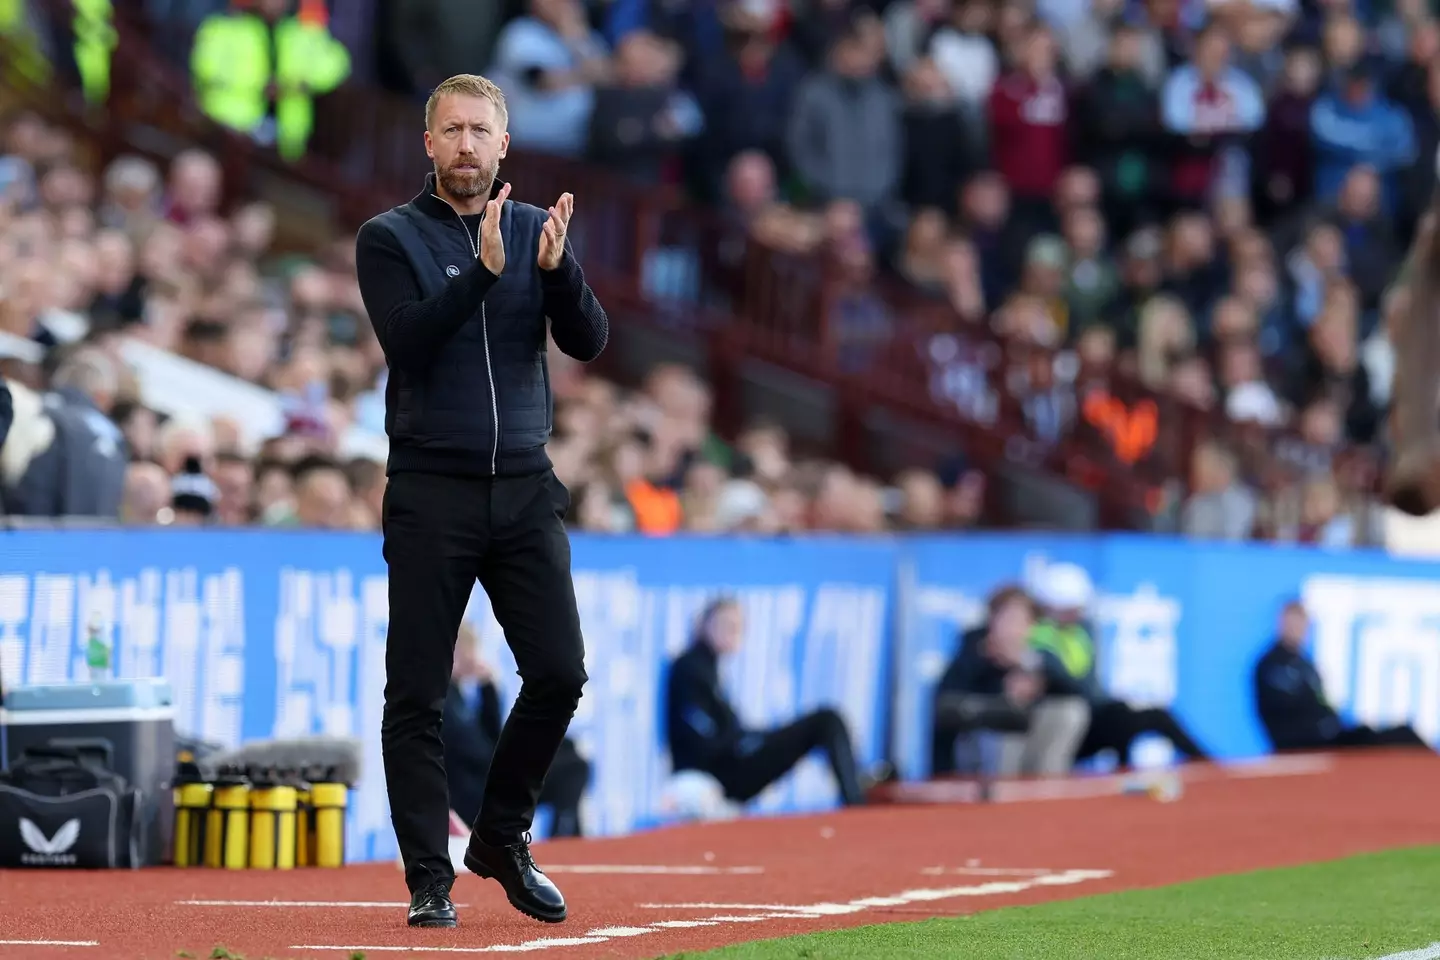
pixel 458 284
pixel 258 67
pixel 1290 698
pixel 705 734
pixel 1066 594
pixel 68 458
pixel 92 447
pixel 997 684
pixel 471 730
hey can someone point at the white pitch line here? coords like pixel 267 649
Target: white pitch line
pixel 1424 953
pixel 544 943
pixel 49 943
pixel 649 869
pixel 989 871
pixel 923 895
pixel 757 913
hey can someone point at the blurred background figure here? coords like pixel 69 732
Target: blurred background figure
pixel 705 734
pixel 1064 635
pixel 1290 698
pixel 471 729
pixel 997 686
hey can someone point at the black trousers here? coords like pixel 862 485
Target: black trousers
pixel 1115 725
pixel 441 534
pixel 1363 736
pixel 745 775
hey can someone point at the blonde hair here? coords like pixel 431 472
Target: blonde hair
pixel 467 85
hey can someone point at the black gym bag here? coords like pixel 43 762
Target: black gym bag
pixel 63 806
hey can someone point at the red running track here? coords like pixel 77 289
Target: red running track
pixel 750 879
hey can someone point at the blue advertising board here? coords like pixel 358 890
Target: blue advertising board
pixel 1181 623
pixel 267 634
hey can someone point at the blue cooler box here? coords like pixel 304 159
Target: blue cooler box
pixel 135 717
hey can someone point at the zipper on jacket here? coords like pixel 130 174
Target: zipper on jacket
pixel 484 337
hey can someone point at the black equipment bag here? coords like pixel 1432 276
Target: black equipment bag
pixel 63 806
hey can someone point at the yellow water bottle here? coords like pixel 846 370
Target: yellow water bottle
pixel 192 810
pixel 304 823
pixel 272 823
pixel 227 828
pixel 329 798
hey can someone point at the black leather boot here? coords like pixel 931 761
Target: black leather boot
pixel 526 886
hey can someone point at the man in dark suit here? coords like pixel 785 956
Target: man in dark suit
pixel 1290 698
pixel 470 730
pixel 705 733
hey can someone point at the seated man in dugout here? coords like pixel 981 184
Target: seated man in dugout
pixel 1290 698
pixel 705 733
pixel 998 684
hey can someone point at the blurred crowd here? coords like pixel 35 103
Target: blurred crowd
pixel 95 266
pixel 1212 197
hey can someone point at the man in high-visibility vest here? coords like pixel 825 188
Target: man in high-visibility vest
pixel 94 45
pixel 26 64
pixel 257 68
pixel 1066 595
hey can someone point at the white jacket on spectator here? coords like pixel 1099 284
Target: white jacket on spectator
pixel 31 434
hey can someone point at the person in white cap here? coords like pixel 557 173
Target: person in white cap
pixel 1067 595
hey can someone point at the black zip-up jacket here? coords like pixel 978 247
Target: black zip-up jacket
pixel 1290 698
pixel 700 725
pixel 469 389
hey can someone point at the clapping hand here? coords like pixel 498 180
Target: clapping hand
pixel 552 236
pixel 492 246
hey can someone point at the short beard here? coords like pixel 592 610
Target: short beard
pixel 466 186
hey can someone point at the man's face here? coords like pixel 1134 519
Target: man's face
pixel 467 141
pixel 323 499
pixel 1009 628
pixel 1293 626
pixel 727 628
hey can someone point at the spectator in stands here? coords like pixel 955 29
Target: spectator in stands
pixel 1118 123
pixel 845 133
pixel 996 685
pixel 147 494
pixel 193 496
pixel 1290 697
pixel 89 447
pixel 1283 158
pixel 1030 129
pixel 704 732
pixel 471 729
pixel 641 121
pixel 746 84
pixel 257 68
pixel 549 63
pixel 1220 506
pixel 1208 106
pixel 1356 124
pixel 1067 598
